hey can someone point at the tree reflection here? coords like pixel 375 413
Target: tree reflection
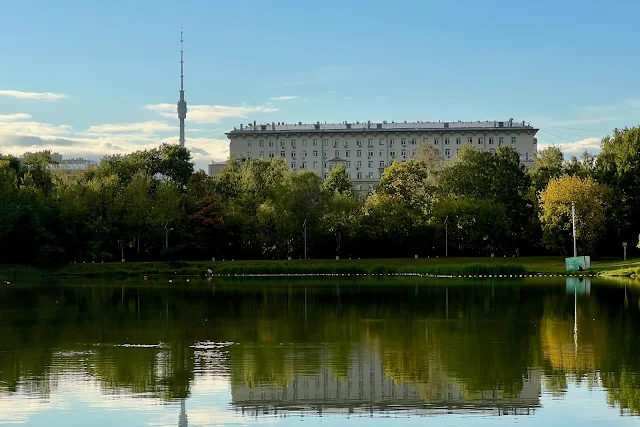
pixel 493 345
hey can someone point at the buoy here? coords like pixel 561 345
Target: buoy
pixel 187 280
pixel 146 278
pixel 170 281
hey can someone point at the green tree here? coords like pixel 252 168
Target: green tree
pixel 548 164
pixel 337 181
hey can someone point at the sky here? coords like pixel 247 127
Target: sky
pixel 88 78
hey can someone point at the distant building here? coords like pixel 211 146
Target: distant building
pixel 64 164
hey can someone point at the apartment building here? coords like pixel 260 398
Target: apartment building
pixel 367 148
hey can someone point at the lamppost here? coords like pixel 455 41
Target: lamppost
pixel 304 224
pixel 166 235
pixel 446 236
pixel 573 216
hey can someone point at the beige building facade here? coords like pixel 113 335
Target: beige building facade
pixel 367 148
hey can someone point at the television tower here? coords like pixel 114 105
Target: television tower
pixel 182 104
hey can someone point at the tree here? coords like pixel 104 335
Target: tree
pixel 548 164
pixel 341 216
pixel 556 218
pixel 337 181
pixel 618 167
pixel 431 157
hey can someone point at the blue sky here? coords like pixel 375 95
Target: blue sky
pixel 88 78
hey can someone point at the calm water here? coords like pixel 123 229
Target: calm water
pixel 353 352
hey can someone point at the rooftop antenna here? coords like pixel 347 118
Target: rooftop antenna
pixel 182 104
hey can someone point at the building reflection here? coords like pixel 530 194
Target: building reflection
pixel 368 388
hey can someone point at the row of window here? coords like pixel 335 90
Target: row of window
pixel 404 153
pixel 370 142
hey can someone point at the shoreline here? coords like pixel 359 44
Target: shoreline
pixel 425 267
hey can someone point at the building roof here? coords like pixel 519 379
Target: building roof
pixel 380 126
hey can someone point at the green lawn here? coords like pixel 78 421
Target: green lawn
pixel 453 266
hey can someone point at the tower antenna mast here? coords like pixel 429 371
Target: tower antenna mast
pixel 182 104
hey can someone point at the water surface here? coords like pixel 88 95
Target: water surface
pixel 374 352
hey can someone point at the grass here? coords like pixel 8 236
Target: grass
pixel 436 266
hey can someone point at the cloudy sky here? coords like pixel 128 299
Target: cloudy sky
pixel 93 78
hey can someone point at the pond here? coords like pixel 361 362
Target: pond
pixel 353 351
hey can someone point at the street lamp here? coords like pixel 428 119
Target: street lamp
pixel 166 235
pixel 304 224
pixel 446 236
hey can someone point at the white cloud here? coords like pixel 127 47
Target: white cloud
pixel 148 127
pixel 284 98
pixel 576 148
pixel 19 133
pixel 38 96
pixel 14 117
pixel 210 113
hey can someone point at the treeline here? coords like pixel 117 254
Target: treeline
pixel 151 205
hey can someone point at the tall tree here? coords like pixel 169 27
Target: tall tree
pixel 556 215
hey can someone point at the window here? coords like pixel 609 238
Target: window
pixel 359 153
pixel 436 141
pixel 249 144
pixel 293 155
pixel 513 139
pixel 490 140
pixel 413 141
pixel 370 164
pixel 425 140
pixel 325 165
pixel 491 150
pixel 325 155
pixel 335 143
pixel 457 151
pixel 446 141
pixel 359 143
pixel 381 141
pixel 337 153
pixel 447 152
pixel 500 141
pixel 282 154
pixel 370 175
pixel 358 164
pixel 262 143
pixel 315 153
pixel 403 141
pixel 271 154
pixel 325 175
pixel 293 165
pixel 271 144
pixel 348 164
pixel 315 165
pixel 293 144
pixel 391 143
pixel 315 142
pixel 304 154
pixel 381 163
pixel 359 187
pixel 382 154
pixel 470 140
pixel 346 143
pixel 392 154
pixel 325 142
pixel 349 175
pixel 304 142
pixel 304 165
pixel 262 154
pixel 404 153
pixel 348 153
pixel 249 155
pixel 458 141
pixel 370 143
pixel 369 154
pixel 282 143
pixel 413 152
pixel 359 177
pixel 480 141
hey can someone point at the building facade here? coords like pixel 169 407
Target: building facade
pixel 367 148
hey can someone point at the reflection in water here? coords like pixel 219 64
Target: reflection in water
pixel 271 348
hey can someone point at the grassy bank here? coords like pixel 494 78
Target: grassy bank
pixel 438 266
